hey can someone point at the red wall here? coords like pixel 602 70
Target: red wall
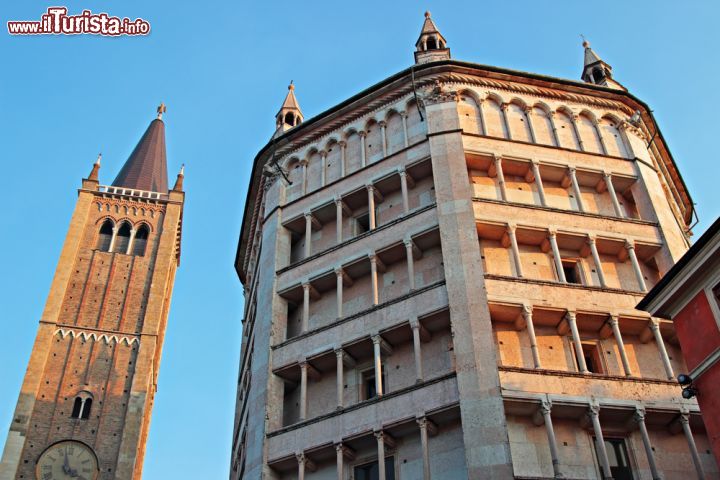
pixel 699 336
pixel 697 330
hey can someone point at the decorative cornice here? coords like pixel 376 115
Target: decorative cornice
pixel 104 337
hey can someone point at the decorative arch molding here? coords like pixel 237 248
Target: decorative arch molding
pixel 105 338
pixel 459 80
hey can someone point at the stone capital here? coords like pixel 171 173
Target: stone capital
pixel 571 316
pixel 545 407
pixel 629 245
pixel 382 123
pixel 639 415
pixel 342 143
pixel 362 133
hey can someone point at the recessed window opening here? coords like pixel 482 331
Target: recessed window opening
pixel 140 241
pixel 620 468
pixel 122 240
pixel 368 387
pixel 82 406
pixel 571 269
pixel 369 471
pixel 105 236
pixel 592 356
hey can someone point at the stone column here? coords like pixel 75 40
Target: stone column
pixel 500 177
pixel 415 326
pixel 552 236
pixel 306 308
pixel 527 314
pixel 531 127
pixel 338 220
pixel 409 247
pixel 576 132
pixel 377 360
pixel 363 153
pixel 596 259
pixel 301 466
pixel 615 325
pixel 303 390
pixel 599 136
pixel 503 109
pixel 594 413
pixel 339 274
pixel 113 238
pixel 576 188
pixel 374 279
pixel 556 138
pixel 538 182
pixel 639 418
pixel 423 424
pixel 383 125
pixel 613 195
pixel 323 169
pixel 685 422
pixel 303 164
pixel 340 384
pixel 379 435
pixel 403 115
pixel 571 319
pixel 343 148
pixel 481 113
pixel 130 242
pixel 308 234
pixel 371 205
pixel 404 189
pixel 515 249
pixel 636 265
pixel 340 461
pixel 545 409
pixel 654 326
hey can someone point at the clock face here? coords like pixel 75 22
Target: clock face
pixel 67 460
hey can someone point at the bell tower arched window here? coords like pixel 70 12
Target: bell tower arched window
pixel 140 241
pixel 123 238
pixel 105 236
pixel 82 406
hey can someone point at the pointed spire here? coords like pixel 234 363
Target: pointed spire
pixel 431 46
pixel 179 181
pixel 96 169
pixel 146 168
pixel 595 70
pixel 290 114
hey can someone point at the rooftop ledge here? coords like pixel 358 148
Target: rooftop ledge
pixel 131 192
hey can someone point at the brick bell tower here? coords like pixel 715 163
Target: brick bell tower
pixel 84 408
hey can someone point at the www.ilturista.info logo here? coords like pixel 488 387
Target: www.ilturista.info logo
pixel 57 22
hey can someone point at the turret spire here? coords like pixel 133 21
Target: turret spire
pixel 146 168
pixel 597 71
pixel 290 114
pixel 95 169
pixel 431 46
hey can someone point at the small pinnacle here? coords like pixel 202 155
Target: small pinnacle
pixel 182 170
pixel 97 162
pixel 427 14
pixel 291 86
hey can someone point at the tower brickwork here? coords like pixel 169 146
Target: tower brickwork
pixel 85 403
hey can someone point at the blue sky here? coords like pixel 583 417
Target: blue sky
pixel 222 69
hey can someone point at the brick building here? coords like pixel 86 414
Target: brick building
pixel 689 295
pixel 85 403
pixel 441 273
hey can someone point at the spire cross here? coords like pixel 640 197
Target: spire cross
pixel 160 110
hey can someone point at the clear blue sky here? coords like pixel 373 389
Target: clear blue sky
pixel 223 68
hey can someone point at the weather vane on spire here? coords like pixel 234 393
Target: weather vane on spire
pixel 160 110
pixel 585 42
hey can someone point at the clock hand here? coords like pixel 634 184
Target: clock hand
pixel 66 464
